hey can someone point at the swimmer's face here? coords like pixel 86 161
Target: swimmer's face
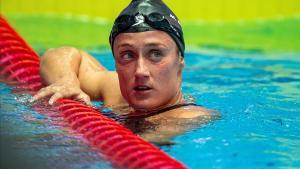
pixel 149 69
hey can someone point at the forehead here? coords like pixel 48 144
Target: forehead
pixel 144 38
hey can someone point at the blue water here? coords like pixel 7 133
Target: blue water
pixel 30 140
pixel 257 95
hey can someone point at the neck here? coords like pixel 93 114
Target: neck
pixel 177 99
pixel 137 114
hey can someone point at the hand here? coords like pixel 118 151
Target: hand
pixel 61 89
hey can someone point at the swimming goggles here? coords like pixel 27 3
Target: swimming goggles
pixel 155 20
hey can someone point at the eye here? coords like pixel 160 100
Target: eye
pixel 155 55
pixel 126 56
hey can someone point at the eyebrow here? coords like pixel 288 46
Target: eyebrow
pixel 155 44
pixel 124 45
pixel 152 44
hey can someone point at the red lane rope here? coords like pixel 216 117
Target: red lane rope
pixel 20 64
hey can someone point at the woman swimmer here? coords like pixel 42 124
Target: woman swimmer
pixel 148 47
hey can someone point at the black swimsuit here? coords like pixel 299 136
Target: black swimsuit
pixel 145 115
pixel 161 110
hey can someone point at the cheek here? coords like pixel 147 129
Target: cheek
pixel 169 73
pixel 172 78
pixel 166 81
pixel 125 80
pixel 123 83
pixel 122 77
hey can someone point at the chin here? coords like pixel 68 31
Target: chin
pixel 143 105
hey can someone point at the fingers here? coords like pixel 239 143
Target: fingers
pixel 85 98
pixel 44 92
pixel 55 97
pixel 58 93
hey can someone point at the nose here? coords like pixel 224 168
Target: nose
pixel 142 69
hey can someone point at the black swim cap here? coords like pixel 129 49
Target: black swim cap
pixel 147 15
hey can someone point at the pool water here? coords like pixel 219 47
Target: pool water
pixel 256 94
pixel 30 140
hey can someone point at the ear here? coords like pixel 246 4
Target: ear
pixel 181 63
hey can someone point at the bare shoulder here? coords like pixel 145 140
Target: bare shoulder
pixel 177 121
pixel 192 112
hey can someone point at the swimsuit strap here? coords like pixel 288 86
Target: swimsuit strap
pixel 162 110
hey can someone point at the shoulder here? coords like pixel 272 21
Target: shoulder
pixel 192 111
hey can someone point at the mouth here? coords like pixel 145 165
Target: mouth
pixel 142 88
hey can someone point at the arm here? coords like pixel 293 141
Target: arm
pixel 71 73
